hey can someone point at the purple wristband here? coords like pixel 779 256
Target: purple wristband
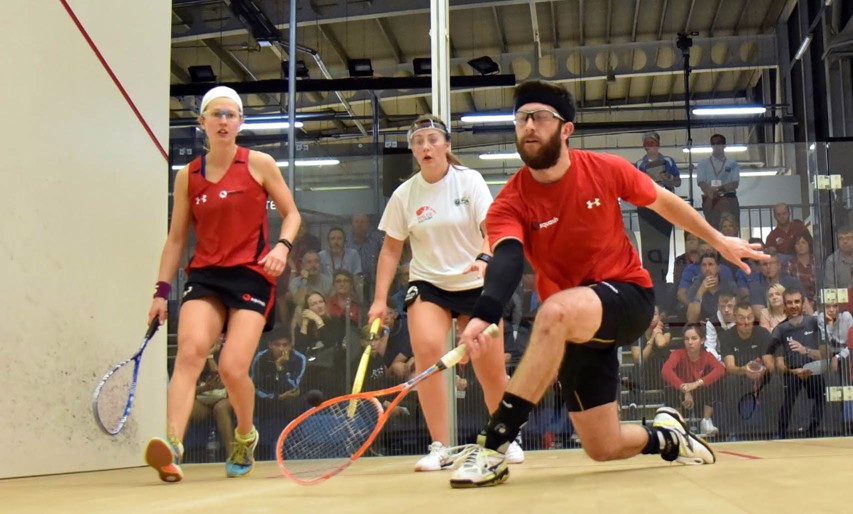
pixel 162 289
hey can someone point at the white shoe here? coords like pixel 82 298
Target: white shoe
pixel 440 457
pixel 691 449
pixel 481 467
pixel 707 428
pixel 514 454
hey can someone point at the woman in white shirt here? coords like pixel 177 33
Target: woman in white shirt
pixel 441 210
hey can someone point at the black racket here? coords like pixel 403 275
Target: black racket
pixel 748 403
pixel 113 396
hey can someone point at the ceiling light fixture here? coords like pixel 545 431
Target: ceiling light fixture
pixel 310 162
pixel 708 149
pixel 499 156
pixel 803 47
pixel 487 118
pixel 269 125
pixel 729 110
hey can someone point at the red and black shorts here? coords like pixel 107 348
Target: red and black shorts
pixel 589 373
pixel 236 288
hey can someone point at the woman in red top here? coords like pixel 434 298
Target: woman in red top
pixel 222 195
pixel 695 374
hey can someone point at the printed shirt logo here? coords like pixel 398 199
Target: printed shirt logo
pixel 425 213
pixel 593 203
pixel 545 224
pixel 200 199
pixel 462 201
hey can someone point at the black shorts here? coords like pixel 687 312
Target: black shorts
pixel 236 288
pixel 589 373
pixel 457 302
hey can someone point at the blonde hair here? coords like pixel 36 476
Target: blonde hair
pixel 781 290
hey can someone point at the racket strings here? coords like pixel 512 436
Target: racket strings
pixel 325 441
pixel 111 402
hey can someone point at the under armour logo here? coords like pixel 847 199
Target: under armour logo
pixel 593 203
pixel 200 199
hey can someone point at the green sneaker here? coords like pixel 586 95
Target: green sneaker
pixel 242 459
pixel 165 456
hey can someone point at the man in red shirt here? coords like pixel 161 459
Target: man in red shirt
pixel 782 237
pixel 562 212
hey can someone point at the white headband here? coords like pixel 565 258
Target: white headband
pixel 220 92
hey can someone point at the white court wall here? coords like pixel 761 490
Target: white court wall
pixel 84 202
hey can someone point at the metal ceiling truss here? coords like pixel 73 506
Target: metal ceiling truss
pixel 586 63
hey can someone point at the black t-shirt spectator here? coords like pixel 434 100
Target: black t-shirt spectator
pixel 744 350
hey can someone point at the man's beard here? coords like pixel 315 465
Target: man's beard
pixel 547 155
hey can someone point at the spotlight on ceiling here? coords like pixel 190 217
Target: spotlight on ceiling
pixel 202 73
pixel 484 65
pixel 422 66
pixel 360 68
pixel 301 69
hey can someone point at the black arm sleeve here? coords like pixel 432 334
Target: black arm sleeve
pixel 502 277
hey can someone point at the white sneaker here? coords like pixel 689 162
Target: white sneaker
pixel 440 457
pixel 691 449
pixel 707 428
pixel 514 454
pixel 481 467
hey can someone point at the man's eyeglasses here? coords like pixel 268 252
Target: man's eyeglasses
pixel 228 115
pixel 540 116
pixel 342 281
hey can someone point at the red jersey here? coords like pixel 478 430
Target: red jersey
pixel 679 369
pixel 572 229
pixel 229 217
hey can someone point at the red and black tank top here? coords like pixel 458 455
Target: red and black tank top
pixel 229 216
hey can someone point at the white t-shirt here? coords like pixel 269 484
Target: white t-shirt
pixel 442 222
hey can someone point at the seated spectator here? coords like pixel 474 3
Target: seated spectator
pixel 650 351
pixel 835 326
pixel 795 343
pixel 774 313
pixel 771 273
pixel 839 266
pixel 277 373
pixel 211 399
pixel 703 293
pixel 367 242
pixel 802 266
pixel 399 288
pixel 783 237
pixel 693 374
pixel 338 256
pixel 343 293
pixel 744 280
pixel 740 346
pixel 304 242
pixel 690 256
pixel 723 320
pixel 693 274
pixel 324 341
pixel 310 278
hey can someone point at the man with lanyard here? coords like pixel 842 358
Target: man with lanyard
pixel 718 177
pixel 655 231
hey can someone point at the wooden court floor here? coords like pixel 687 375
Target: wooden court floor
pixel 793 476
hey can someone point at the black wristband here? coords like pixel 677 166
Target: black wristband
pixel 286 243
pixel 487 309
pixel 484 257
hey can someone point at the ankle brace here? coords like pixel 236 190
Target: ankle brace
pixel 505 423
pixel 662 441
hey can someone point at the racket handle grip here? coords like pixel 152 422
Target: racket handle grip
pixel 455 355
pixel 152 328
pixel 374 328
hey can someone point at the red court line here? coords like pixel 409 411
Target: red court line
pixel 115 79
pixel 741 455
